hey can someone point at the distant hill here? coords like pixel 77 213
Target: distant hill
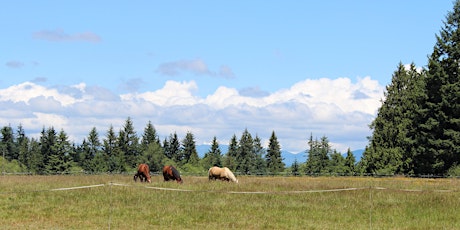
pixel 288 157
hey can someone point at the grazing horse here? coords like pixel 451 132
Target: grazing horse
pixel 171 173
pixel 143 172
pixel 221 174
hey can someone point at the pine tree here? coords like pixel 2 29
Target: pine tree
pixel 245 154
pixel 47 141
pixel 350 163
pixel 392 142
pixel 22 143
pixel 259 164
pixel 110 150
pixel 59 160
pixel 7 144
pixel 150 135
pixel 214 156
pixel 232 153
pixel 439 140
pixel 172 148
pixel 152 152
pixel 129 143
pixel 189 150
pixel 273 158
pixel 295 168
pixel 318 156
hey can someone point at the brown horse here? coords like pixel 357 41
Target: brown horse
pixel 221 174
pixel 171 173
pixel 143 172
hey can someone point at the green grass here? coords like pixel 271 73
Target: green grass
pixel 27 202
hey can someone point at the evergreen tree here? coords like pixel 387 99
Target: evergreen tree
pixel 260 165
pixel 92 157
pixel 22 143
pixel 350 163
pixel 245 154
pixel 295 168
pixel 7 144
pixel 47 142
pixel 214 156
pixel 172 148
pixel 35 158
pixel 150 135
pixel 189 150
pixel 129 143
pixel 392 142
pixel 337 163
pixel 110 151
pixel 59 160
pixel 166 149
pixel 231 155
pixel 318 156
pixel 273 158
pixel 152 151
pixel 439 139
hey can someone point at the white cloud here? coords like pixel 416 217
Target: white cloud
pixel 336 108
pixel 59 35
pixel 195 66
pixel 26 91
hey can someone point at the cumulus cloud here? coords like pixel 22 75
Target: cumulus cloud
pixel 195 66
pixel 59 35
pixel 338 108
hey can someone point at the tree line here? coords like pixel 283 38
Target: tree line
pixel 417 128
pixel 122 151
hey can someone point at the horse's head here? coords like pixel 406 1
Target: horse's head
pixel 149 180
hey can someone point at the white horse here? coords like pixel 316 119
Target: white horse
pixel 221 174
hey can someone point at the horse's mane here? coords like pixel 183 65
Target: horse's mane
pixel 230 175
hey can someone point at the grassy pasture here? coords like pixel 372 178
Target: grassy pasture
pixel 29 202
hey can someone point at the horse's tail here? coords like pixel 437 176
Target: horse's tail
pixel 176 174
pixel 210 173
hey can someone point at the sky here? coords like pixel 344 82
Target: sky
pixel 212 68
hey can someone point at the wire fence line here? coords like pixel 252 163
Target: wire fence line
pixel 237 173
pixel 377 188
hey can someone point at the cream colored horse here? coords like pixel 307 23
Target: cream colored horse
pixel 221 174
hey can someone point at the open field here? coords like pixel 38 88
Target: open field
pixel 116 202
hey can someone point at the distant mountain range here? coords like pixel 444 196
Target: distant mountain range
pixel 288 157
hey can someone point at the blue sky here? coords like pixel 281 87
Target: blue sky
pixel 295 67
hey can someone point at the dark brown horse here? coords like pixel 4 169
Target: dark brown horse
pixel 143 172
pixel 171 173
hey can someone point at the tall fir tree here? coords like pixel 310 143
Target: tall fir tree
pixel 245 154
pixel 115 158
pixel 214 156
pixel 392 144
pixel 350 163
pixel 129 143
pixel 318 156
pixel 232 153
pixel 189 150
pixel 439 139
pixel 7 144
pixel 59 160
pixel 273 158
pixel 23 143
pixel 259 165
